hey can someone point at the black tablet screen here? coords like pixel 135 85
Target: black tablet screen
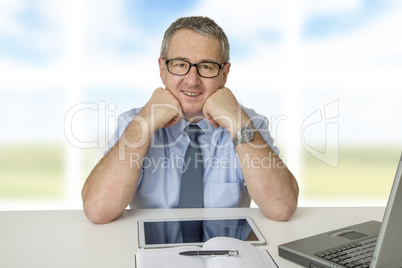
pixel 167 232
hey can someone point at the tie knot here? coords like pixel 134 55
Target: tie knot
pixel 193 131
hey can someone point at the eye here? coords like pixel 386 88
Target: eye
pixel 206 67
pixel 178 64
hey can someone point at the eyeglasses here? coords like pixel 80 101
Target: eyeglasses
pixel 204 69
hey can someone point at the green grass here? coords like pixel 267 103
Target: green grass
pixel 363 172
pixel 37 171
pixel 31 171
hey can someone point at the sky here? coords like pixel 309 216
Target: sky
pixel 345 50
pixel 323 72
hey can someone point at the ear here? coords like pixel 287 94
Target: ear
pixel 162 69
pixel 225 72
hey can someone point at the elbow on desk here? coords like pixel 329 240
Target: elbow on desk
pixel 98 210
pixel 98 215
pixel 283 212
pixel 282 215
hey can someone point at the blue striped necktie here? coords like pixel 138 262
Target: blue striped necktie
pixel 191 189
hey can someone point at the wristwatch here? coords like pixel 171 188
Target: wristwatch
pixel 245 134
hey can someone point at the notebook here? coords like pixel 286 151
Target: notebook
pixel 380 243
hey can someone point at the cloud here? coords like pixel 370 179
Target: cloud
pixel 327 18
pixel 128 29
pixel 374 45
pixel 30 31
pixel 7 10
pixel 246 24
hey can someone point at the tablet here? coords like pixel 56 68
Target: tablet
pixel 170 232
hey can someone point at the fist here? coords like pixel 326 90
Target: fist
pixel 222 109
pixel 162 110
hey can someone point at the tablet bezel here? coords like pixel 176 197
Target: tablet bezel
pixel 141 231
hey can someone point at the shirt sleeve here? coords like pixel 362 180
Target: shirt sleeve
pixel 122 123
pixel 262 124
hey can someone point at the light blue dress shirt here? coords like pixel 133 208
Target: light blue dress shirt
pixel 159 183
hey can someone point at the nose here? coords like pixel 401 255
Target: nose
pixel 192 77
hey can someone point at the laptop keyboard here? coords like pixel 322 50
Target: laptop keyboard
pixel 353 255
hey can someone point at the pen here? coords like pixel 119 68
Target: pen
pixel 211 253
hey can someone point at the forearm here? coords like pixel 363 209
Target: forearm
pixel 269 182
pixel 113 182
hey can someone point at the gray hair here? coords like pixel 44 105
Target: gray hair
pixel 201 25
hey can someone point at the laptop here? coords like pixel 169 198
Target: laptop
pixel 369 244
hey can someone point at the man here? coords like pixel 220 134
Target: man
pixel 144 165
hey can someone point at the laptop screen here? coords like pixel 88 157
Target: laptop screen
pixel 387 253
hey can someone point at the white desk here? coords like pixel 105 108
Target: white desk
pixel 68 239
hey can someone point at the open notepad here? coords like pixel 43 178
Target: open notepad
pixel 249 256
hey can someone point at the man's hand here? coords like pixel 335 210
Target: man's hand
pixel 112 183
pixel 272 187
pixel 162 110
pixel 222 109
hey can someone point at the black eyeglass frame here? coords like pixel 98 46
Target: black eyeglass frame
pixel 196 67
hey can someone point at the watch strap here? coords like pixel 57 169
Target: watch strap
pixel 238 138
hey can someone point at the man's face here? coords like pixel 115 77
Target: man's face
pixel 191 89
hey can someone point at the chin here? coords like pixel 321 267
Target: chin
pixel 193 115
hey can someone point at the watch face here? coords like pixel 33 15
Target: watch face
pixel 247 133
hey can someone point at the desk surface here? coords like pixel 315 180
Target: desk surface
pixel 68 239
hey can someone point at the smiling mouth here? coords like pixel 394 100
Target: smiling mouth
pixel 192 94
